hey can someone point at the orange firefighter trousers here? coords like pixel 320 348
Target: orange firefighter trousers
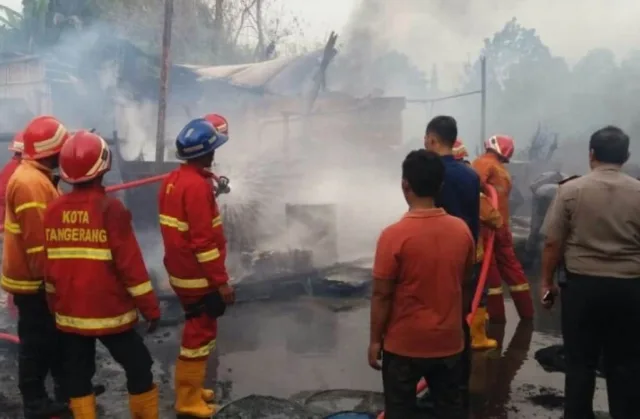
pixel 198 338
pixel 506 266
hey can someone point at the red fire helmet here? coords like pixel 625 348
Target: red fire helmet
pixel 502 145
pixel 219 122
pixel 459 150
pixel 84 157
pixel 17 145
pixel 43 137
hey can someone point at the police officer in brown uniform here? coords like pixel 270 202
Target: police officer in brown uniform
pixel 594 226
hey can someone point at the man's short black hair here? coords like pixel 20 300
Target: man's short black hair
pixel 610 145
pixel 445 127
pixel 424 172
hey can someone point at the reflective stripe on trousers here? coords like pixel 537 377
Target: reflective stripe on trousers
pixel 198 337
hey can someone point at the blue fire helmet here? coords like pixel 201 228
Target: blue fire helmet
pixel 198 138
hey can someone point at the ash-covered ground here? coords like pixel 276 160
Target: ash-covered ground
pixel 310 349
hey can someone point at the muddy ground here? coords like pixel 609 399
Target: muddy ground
pixel 303 347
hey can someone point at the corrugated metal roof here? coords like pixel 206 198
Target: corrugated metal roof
pixel 282 75
pixel 259 74
pixel 217 72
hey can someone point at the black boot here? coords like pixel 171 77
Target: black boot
pixel 44 409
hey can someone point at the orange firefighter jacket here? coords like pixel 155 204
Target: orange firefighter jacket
pixel 95 274
pixel 490 219
pixel 5 175
pixel 29 191
pixel 191 226
pixel 491 171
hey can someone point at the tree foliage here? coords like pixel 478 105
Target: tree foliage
pixel 204 31
pixel 528 85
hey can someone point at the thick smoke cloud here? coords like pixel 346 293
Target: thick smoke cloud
pixel 394 48
pixel 573 88
pixel 449 32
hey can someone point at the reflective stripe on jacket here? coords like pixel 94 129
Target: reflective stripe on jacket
pixel 96 279
pixel 29 191
pixel 191 226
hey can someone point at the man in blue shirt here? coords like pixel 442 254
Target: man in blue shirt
pixel 460 197
pixel 460 193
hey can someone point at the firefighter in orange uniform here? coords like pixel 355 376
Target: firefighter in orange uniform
pixel 491 168
pixel 195 251
pixel 96 280
pixel 489 219
pixel 16 146
pixel 30 189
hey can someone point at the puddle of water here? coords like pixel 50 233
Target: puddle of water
pixel 310 344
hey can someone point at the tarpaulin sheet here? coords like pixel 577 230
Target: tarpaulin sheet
pixel 551 359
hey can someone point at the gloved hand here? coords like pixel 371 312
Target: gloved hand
pixel 227 293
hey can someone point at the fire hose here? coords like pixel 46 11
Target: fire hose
pixel 222 186
pixel 482 280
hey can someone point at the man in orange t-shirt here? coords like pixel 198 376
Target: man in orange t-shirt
pixel 422 265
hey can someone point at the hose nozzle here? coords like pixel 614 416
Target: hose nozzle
pixel 223 186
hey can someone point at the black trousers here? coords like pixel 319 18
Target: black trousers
pixel 127 348
pixel 40 349
pixel 465 365
pixel 400 375
pixel 466 355
pixel 601 317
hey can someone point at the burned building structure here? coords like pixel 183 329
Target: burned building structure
pixel 286 130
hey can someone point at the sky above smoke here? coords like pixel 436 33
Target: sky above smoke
pixel 449 31
pixel 455 28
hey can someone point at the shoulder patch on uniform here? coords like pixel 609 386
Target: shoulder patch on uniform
pixel 562 182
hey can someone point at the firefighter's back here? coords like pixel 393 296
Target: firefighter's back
pixel 180 258
pixel 76 232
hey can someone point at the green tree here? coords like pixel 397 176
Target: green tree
pixel 525 81
pixel 41 22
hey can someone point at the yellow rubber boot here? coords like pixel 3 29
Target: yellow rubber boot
pixel 145 405
pixel 83 407
pixel 208 395
pixel 479 339
pixel 189 395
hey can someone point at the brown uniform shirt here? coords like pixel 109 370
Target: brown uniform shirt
pixel 597 217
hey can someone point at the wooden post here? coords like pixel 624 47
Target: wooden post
pixel 483 101
pixel 164 82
